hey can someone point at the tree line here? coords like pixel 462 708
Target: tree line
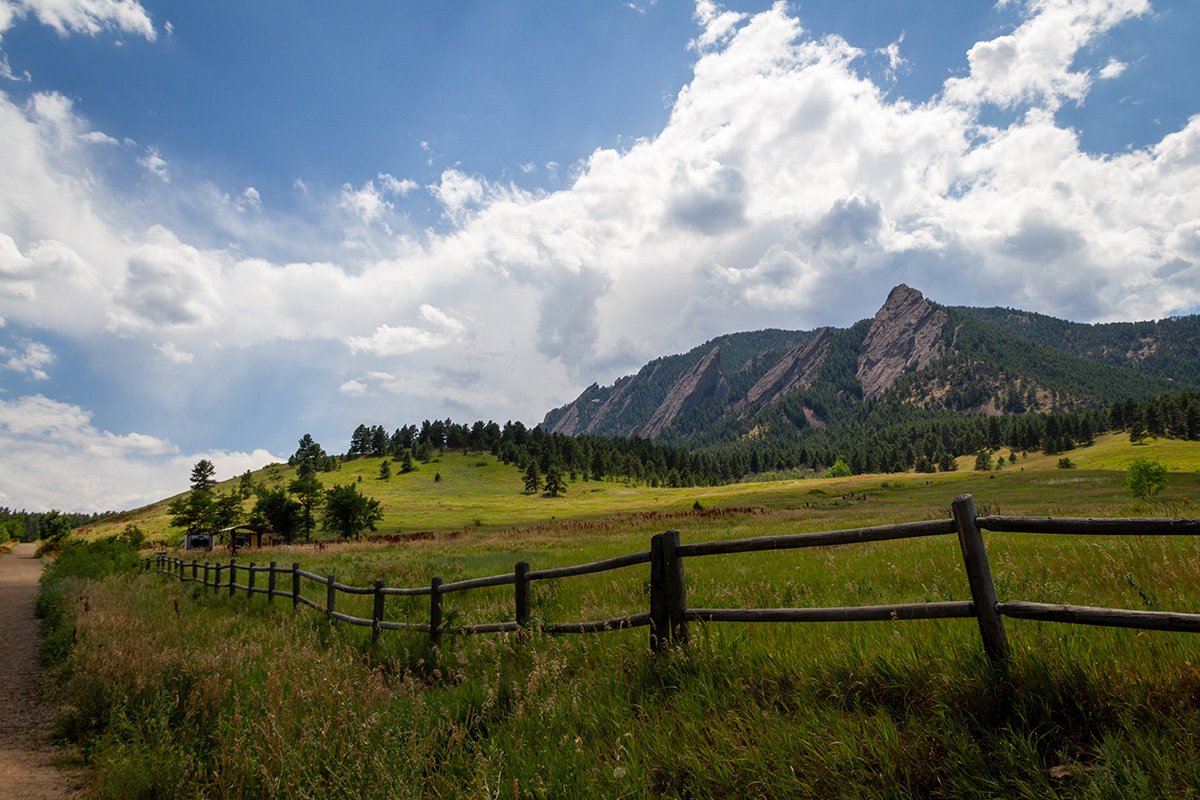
pixel 884 435
pixel 30 526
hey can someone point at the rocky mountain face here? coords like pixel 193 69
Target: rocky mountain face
pixel 799 368
pixel 910 340
pixel 700 383
pixel 906 332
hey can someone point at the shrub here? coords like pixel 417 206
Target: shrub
pixel 840 469
pixel 1146 477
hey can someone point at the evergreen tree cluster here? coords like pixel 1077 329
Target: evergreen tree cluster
pixel 594 458
pixel 1168 416
pixel 883 435
pixel 28 526
pixel 421 442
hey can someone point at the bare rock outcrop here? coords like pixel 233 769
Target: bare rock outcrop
pixel 569 424
pixel 906 330
pixel 798 368
pixel 694 386
pixel 617 400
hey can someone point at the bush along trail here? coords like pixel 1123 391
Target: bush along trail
pixel 27 770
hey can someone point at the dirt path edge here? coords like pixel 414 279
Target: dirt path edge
pixel 27 769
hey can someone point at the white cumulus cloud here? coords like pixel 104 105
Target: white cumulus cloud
pixel 56 458
pixel 1033 63
pixel 81 16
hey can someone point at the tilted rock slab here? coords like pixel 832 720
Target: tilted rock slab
pixel 693 387
pixel 906 330
pixel 798 368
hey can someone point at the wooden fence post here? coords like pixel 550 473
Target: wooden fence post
pixel 206 567
pixel 435 611
pixel 676 590
pixel 330 597
pixel 271 583
pixel 659 623
pixel 217 578
pixel 295 584
pixel 668 596
pixel 232 575
pixel 194 569
pixel 250 582
pixel 521 586
pixel 377 610
pixel 979 576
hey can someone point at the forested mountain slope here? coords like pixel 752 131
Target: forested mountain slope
pixel 1166 348
pixel 914 356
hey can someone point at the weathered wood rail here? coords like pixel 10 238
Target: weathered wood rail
pixel 668 615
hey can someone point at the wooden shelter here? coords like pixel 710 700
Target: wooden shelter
pixel 247 536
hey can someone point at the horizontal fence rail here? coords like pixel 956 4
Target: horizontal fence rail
pixel 668 615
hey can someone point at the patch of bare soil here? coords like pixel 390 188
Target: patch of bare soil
pixel 27 770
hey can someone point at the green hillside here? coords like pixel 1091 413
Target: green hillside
pixel 480 496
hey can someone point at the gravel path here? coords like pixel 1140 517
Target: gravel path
pixel 27 771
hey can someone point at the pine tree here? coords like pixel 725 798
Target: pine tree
pixel 554 481
pixel 202 476
pixel 532 478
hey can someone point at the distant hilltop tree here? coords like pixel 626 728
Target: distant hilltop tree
pixel 202 476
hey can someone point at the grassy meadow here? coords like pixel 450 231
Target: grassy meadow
pixel 173 691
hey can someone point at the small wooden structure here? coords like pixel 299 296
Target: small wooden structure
pixel 247 536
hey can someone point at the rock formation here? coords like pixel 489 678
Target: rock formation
pixel 569 424
pixel 693 387
pixel 798 368
pixel 907 330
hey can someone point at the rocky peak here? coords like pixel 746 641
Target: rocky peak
pixel 906 330
pixel 797 369
pixel 694 386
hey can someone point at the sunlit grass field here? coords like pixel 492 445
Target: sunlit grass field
pixel 478 492
pixel 176 691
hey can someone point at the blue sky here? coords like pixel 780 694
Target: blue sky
pixel 224 225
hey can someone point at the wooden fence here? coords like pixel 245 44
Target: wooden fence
pixel 668 615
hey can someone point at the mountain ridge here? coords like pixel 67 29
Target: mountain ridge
pixel 914 352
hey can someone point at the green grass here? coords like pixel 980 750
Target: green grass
pixel 173 691
pixel 479 492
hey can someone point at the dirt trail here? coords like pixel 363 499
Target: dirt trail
pixel 26 755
